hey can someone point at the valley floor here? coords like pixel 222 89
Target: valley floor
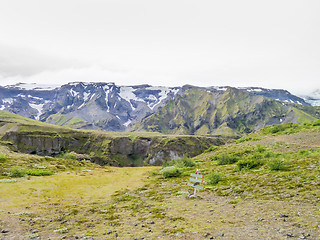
pixel 137 203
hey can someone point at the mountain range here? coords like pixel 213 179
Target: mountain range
pixel 232 112
pixel 313 98
pixel 179 110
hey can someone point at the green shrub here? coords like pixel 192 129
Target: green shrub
pixel 180 162
pixel 303 153
pixel 246 164
pixel 211 149
pixel 225 159
pixel 267 155
pixel 282 129
pixel 315 153
pixel 247 139
pixel 38 172
pixel 316 123
pixel 260 148
pixel 257 156
pixel 171 171
pixel 3 158
pixel 309 153
pixel 17 172
pixel 70 156
pixel 184 162
pixel 214 178
pixel 278 165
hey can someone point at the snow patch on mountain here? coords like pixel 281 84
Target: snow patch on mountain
pixel 86 96
pixel 252 89
pixel 73 93
pixel 312 98
pixel 81 105
pixel 107 91
pixel 7 100
pixel 127 93
pixel 39 108
pixel 126 124
pixel 222 89
pixel 163 95
pixel 92 96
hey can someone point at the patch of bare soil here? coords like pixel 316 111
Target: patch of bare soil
pixel 303 139
pixel 11 227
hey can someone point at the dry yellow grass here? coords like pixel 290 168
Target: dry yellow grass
pixel 76 196
pixel 82 186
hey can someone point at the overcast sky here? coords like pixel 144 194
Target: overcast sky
pixel 271 43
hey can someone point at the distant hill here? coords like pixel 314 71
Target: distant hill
pixel 107 106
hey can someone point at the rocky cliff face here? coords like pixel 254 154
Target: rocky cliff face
pixel 105 149
pixel 104 106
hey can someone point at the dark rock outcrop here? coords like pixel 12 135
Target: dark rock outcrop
pixel 126 150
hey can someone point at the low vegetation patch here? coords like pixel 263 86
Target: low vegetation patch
pixel 39 172
pixel 213 178
pixel 224 159
pixel 19 165
pixel 289 128
pixel 246 164
pixel 211 149
pixel 281 129
pixel 247 139
pixel 183 162
pixel 68 155
pixel 3 158
pixel 177 167
pixel 17 173
pixel 278 165
pixel 171 171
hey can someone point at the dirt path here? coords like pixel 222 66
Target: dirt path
pixel 300 139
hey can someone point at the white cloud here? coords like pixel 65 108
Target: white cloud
pixel 23 61
pixel 89 74
pixel 272 44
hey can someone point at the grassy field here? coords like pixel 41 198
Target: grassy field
pixel 67 202
pixel 263 186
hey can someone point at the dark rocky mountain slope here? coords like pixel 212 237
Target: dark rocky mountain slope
pixel 104 106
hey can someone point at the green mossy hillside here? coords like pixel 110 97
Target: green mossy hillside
pixel 232 113
pixel 278 162
pixel 104 148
